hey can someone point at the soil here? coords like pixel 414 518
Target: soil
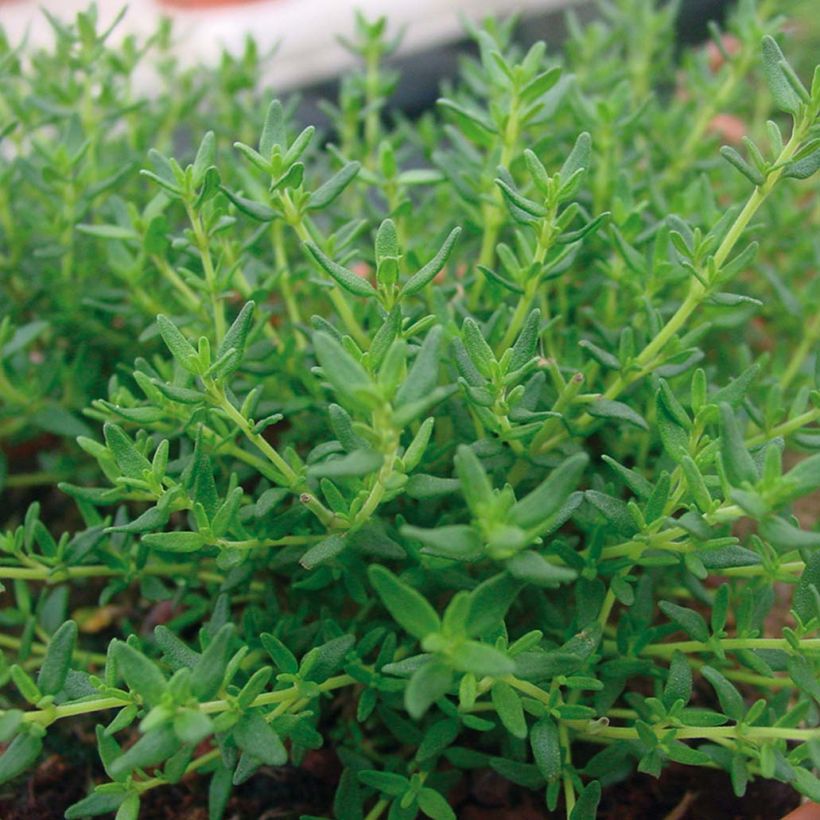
pixel 681 793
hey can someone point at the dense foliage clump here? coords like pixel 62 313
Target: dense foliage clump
pixel 473 442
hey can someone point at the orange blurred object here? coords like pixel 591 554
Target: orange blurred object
pixel 203 4
pixel 808 811
pixel 730 44
pixel 728 127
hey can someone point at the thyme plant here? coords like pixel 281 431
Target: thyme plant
pixel 481 441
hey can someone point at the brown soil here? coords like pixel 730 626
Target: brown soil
pixel 681 793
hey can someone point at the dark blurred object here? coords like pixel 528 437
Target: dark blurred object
pixel 422 73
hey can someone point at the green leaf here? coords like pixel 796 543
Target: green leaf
pixel 387 241
pixel 482 659
pixel 586 806
pixel 457 541
pixel 205 157
pixel 176 652
pixel 421 486
pixel 175 541
pixel 434 804
pixel 343 372
pixel 255 736
pixel 237 335
pixel 219 792
pixel 803 168
pixel 807 783
pixel 606 409
pixel 749 171
pixel 578 158
pixel 281 655
pixel 688 620
pixel 357 463
pixel 784 537
pixel 153 748
pixel 679 681
pixel 803 478
pixel 330 190
pixel 519 202
pixel 389 783
pixel 422 377
pixel 674 437
pixel 10 722
pixel 633 479
pixel 507 704
pixel 522 774
pixel 273 129
pixel 546 499
pixel 540 84
pixel 736 459
pixel 489 602
pixel 345 278
pixel 20 754
pixel 437 738
pixel 526 345
pixel 805 675
pixel 326 550
pixel 95 804
pixel 141 674
pixel 499 279
pixel 475 485
pixel 131 462
pixel 57 661
pixel 179 346
pixel 730 699
pixel 546 748
pixel 696 484
pixel 408 608
pixel 207 675
pixel 532 567
pixel 785 97
pixel 806 598
pixel 418 281
pixel 192 726
pixel 427 684
pixel 255 210
pixel 613 510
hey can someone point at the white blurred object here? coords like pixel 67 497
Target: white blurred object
pixel 304 31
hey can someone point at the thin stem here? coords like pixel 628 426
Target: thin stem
pixel 377 810
pixel 806 345
pixel 336 296
pixel 53 713
pixel 586 727
pixel 728 644
pixel 697 291
pixel 201 239
pixel 291 479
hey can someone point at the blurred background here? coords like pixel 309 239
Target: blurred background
pixel 304 33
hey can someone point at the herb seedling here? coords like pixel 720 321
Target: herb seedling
pixel 468 443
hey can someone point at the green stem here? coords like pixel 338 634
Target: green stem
pixel 697 291
pixel 36 479
pixel 806 345
pixel 377 810
pixel 569 788
pixel 700 732
pixel 40 649
pixel 53 713
pixel 336 296
pixel 728 644
pixel 491 212
pixel 201 239
pixel 291 479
